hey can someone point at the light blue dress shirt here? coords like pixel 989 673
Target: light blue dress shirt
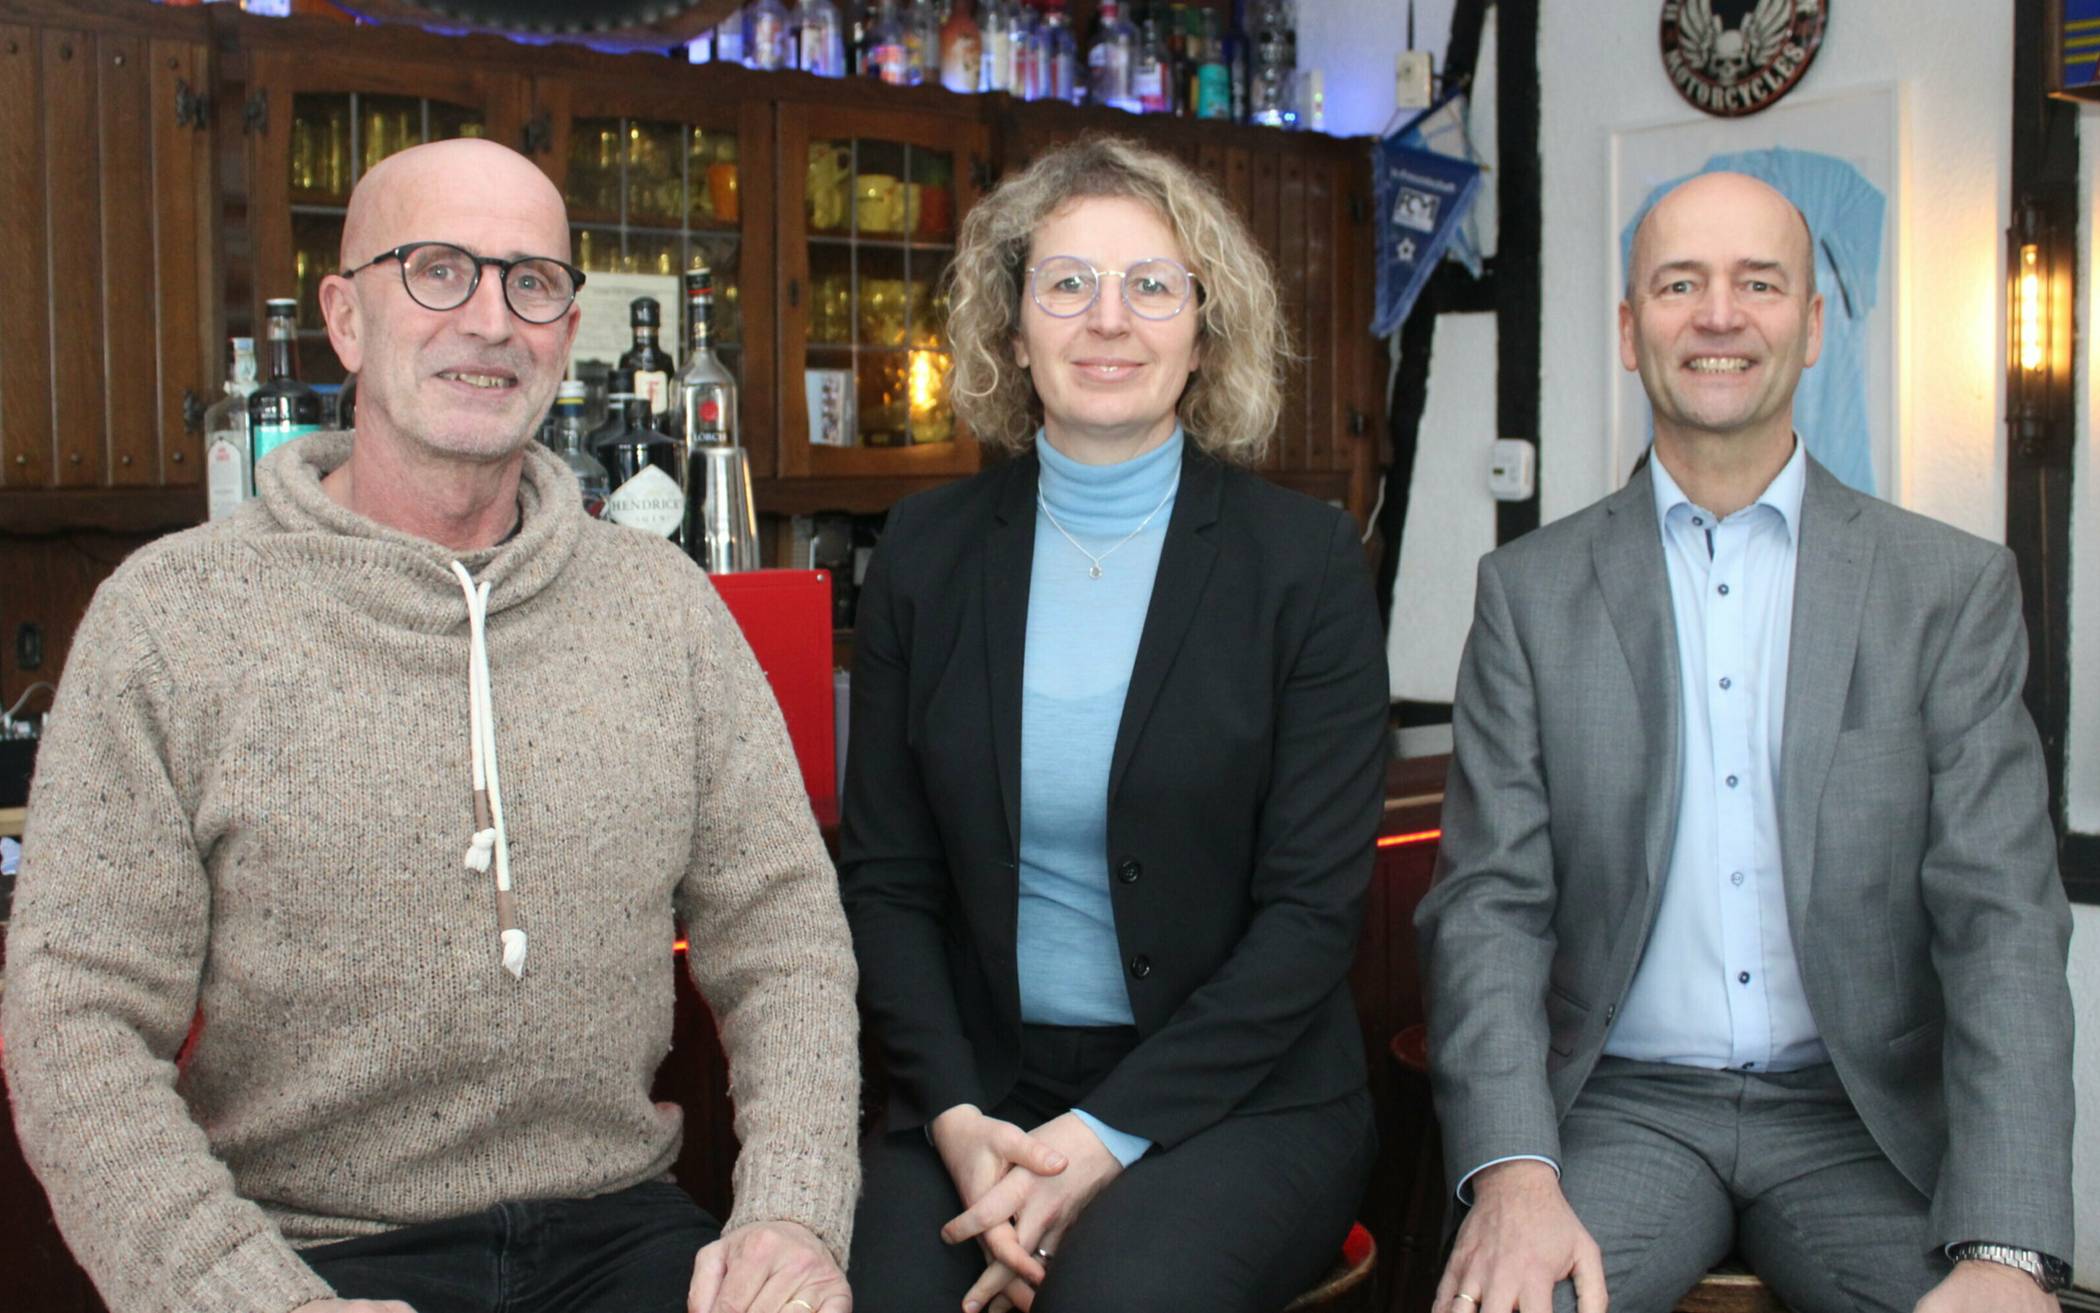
pixel 1082 642
pixel 1718 985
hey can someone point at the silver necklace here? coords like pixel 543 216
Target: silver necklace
pixel 1093 569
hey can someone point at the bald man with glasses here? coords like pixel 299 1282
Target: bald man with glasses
pixel 341 961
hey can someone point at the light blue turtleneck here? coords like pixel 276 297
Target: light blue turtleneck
pixel 1082 641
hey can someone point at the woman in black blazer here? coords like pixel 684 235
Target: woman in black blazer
pixel 1117 752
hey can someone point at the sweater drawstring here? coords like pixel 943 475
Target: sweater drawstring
pixel 490 839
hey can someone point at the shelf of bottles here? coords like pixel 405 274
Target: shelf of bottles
pixel 651 197
pixel 336 139
pixel 1213 59
pixel 880 222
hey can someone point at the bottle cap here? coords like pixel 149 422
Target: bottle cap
pixel 281 305
pixel 699 279
pixel 571 389
pixel 620 383
pixel 642 312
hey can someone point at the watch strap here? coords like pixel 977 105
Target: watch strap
pixel 2050 1273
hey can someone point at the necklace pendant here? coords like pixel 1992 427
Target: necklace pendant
pixel 1093 572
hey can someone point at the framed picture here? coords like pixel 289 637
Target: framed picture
pixel 829 393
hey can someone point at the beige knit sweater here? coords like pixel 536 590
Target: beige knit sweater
pixel 254 802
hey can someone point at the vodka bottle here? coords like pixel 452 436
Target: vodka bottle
pixel 566 438
pixel 721 520
pixel 645 467
pixel 283 408
pixel 229 453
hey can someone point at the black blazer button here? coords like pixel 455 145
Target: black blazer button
pixel 1141 966
pixel 1129 871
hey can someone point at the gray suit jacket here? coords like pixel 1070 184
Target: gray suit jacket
pixel 1919 861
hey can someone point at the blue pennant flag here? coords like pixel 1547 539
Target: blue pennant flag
pixel 1422 202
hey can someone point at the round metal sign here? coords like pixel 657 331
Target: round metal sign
pixel 1735 57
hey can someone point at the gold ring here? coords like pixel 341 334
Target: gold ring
pixel 1470 1299
pixel 804 1303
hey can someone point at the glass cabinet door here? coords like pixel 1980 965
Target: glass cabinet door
pixel 655 181
pixel 323 132
pixel 870 205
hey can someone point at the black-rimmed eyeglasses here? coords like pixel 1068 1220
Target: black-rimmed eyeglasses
pixel 539 289
pixel 1155 288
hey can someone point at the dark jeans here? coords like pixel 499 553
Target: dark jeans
pixel 626 1252
pixel 1239 1218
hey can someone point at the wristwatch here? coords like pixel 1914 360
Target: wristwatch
pixel 2051 1274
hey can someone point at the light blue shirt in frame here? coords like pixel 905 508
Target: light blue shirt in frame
pixel 1846 215
pixel 1718 984
pixel 1082 643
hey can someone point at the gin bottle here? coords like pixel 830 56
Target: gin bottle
pixel 229 454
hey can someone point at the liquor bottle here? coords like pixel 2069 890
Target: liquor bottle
pixel 283 408
pixel 1239 56
pixel 768 42
pixel 922 42
pixel 1060 56
pixel 721 519
pixel 729 39
pixel 819 48
pixel 998 27
pixel 229 455
pixel 650 363
pixel 962 50
pixel 567 430
pixel 1109 59
pixel 1213 76
pixel 1268 79
pixel 646 468
pixel 1149 79
pixel 1182 44
pixel 888 56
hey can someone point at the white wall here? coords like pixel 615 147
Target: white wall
pixel 2082 744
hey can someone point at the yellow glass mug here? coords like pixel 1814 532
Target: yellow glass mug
pixel 829 183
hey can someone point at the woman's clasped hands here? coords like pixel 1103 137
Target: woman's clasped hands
pixel 1023 1189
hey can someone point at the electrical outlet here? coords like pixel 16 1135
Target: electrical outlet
pixel 1413 80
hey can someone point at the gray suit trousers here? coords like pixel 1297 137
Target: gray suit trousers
pixel 1673 1169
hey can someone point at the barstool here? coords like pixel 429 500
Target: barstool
pixel 1730 1289
pixel 1348 1281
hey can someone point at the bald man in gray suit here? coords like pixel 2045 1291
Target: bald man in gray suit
pixel 1747 934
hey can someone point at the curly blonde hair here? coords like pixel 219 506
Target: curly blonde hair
pixel 1231 404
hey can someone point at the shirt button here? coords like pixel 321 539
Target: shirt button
pixel 1731 781
pixel 1724 590
pixel 1735 878
pixel 1726 683
pixel 1749 1066
pixel 1742 977
pixel 1697 520
pixel 1141 966
pixel 1129 871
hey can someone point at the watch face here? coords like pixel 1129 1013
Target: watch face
pixel 2056 1274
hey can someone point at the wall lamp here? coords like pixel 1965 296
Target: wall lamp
pixel 2038 337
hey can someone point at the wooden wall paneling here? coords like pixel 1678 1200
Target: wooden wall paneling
pixel 1365 455
pixel 188 328
pixel 49 581
pixel 1261 217
pixel 25 330
pixel 72 134
pixel 130 294
pixel 1292 266
pixel 1323 336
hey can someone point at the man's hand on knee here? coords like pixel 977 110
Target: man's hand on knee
pixel 768 1267
pixel 1520 1238
pixel 1975 1286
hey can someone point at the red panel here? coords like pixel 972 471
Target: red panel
pixel 786 617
